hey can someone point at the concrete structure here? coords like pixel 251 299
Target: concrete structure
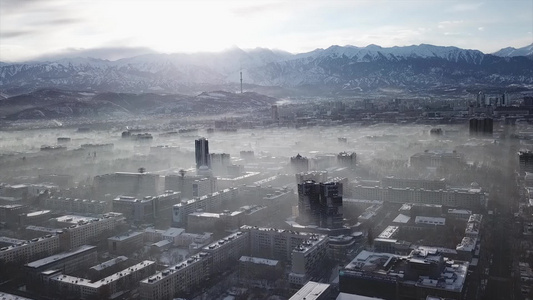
pixel 82 288
pixel 125 243
pixel 472 198
pixel 307 258
pixel 74 205
pixel 209 203
pixel 420 274
pixel 345 159
pixel 313 291
pixel 191 186
pixel 178 280
pixel 66 262
pixel 320 204
pixel 227 251
pixel 426 184
pixel 25 251
pixel 299 164
pixel 132 184
pixel 81 230
pixel 316 176
pixel 201 152
pixel 436 159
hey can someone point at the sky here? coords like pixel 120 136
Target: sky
pixel 112 29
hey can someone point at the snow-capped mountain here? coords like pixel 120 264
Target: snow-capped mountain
pixel 347 67
pixel 511 52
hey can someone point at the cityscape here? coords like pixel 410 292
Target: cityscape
pixel 154 172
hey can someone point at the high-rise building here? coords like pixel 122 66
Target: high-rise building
pixel 201 149
pixel 275 113
pixel 481 126
pixel 299 163
pixel 525 159
pixel 345 159
pixel 320 204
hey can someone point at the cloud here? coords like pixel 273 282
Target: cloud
pixel 15 33
pixel 465 7
pixel 61 21
pixel 481 28
pixel 448 24
pixel 109 53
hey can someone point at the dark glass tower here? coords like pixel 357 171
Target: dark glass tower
pixel 201 149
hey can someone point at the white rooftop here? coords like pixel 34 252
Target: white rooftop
pixel 402 219
pixel 310 291
pixel 259 261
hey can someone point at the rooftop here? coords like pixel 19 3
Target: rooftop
pixel 122 237
pixel 182 265
pixel 402 219
pixel 50 259
pixel 310 291
pixel 104 281
pixel 259 261
pixel 389 232
pixel 109 263
pixel 449 275
pixel 430 220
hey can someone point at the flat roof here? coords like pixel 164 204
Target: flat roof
pixel 310 291
pixel 122 237
pixel 430 220
pixel 6 296
pixel 346 296
pixel 50 259
pixel 104 281
pixel 259 261
pixel 402 219
pixel 389 232
pixel 109 263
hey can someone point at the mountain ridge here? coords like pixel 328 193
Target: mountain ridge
pixel 362 68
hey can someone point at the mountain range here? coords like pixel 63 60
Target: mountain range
pixel 337 68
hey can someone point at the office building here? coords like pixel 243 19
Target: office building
pixel 21 251
pixel 208 203
pixel 79 230
pixel 75 205
pixel 316 176
pixel 201 151
pixel 120 282
pixel 307 259
pixel 255 270
pixel 227 251
pixel 481 126
pixel 126 183
pixel 299 164
pixel 219 163
pixel 178 280
pixel 424 272
pixel 525 159
pixel 320 204
pixel 345 159
pixel 127 243
pixel 191 186
pixel 427 184
pixel 65 262
pixel 313 291
pixel 274 243
pixel 437 159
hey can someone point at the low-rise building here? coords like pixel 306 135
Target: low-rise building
pixel 25 251
pixel 125 243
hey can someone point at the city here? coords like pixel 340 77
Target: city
pixel 145 155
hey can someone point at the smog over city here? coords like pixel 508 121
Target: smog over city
pixel 273 150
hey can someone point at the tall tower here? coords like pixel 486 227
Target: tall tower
pixel 201 149
pixel 241 81
pixel 320 204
